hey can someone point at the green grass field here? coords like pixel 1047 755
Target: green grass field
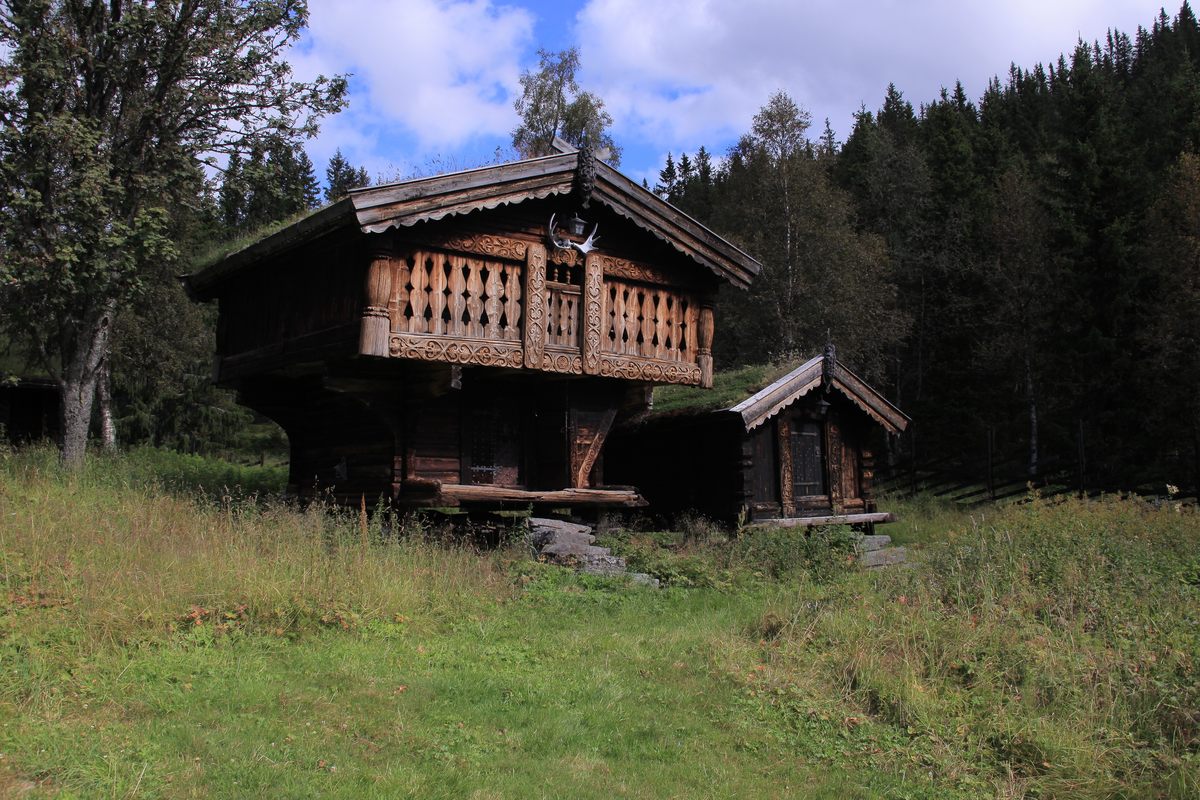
pixel 160 641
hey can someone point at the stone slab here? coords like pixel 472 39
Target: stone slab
pixel 882 558
pixel 868 543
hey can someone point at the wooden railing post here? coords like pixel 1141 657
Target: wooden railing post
pixel 376 322
pixel 535 305
pixel 593 289
pixel 704 353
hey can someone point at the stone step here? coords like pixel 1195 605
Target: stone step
pixel 868 543
pixel 883 557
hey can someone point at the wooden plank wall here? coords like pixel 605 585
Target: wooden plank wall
pixel 305 293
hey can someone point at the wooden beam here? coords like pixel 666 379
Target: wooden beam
pixel 812 522
pixel 461 493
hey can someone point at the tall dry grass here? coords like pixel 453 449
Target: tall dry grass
pixel 93 557
pixel 1053 651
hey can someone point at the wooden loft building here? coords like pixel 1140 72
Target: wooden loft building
pixel 798 452
pixel 469 339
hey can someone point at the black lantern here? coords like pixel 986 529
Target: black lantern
pixel 822 406
pixel 576 226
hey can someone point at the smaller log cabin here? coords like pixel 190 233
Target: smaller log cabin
pixel 798 452
pixel 469 339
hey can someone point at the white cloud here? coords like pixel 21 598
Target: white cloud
pixel 438 76
pixel 683 72
pixel 433 73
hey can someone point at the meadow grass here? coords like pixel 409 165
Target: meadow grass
pixel 159 642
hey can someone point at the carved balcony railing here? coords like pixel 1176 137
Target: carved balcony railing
pixel 451 307
pixel 596 316
pixel 649 332
pixel 562 315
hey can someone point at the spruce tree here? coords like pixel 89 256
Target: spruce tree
pixel 341 177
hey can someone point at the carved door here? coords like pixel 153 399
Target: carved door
pixel 808 462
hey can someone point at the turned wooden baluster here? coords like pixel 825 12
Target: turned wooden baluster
pixel 491 305
pixel 563 329
pixel 691 317
pixel 648 310
pixel 512 303
pixel 376 324
pixel 661 317
pixel 398 303
pixel 474 301
pixel 676 328
pixel 418 298
pixel 458 303
pixel 619 319
pixel 437 294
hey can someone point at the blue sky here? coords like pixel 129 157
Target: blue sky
pixel 435 80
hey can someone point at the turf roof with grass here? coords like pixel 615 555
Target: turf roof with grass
pixel 729 389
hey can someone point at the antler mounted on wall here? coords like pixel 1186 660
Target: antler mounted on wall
pixel 562 243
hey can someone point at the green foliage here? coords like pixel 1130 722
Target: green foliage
pixel 820 274
pixel 341 177
pixel 1034 255
pixel 108 116
pixel 151 642
pixel 551 106
pixel 702 557
pixel 275 182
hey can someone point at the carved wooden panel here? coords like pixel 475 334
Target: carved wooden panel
pixel 786 485
pixel 568 257
pixel 643 369
pixel 535 311
pixel 562 359
pixel 833 433
pixel 428 347
pixel 593 300
pixel 634 271
pixel 480 243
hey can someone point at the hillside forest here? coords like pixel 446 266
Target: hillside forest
pixel 1026 262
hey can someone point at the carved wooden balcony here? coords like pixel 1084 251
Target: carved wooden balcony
pixel 491 301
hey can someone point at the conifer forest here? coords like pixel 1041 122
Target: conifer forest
pixel 1021 268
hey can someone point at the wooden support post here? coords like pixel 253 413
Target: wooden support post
pixel 704 353
pixel 376 323
pixel 787 485
pixel 535 305
pixel 833 460
pixel 866 476
pixel 593 289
